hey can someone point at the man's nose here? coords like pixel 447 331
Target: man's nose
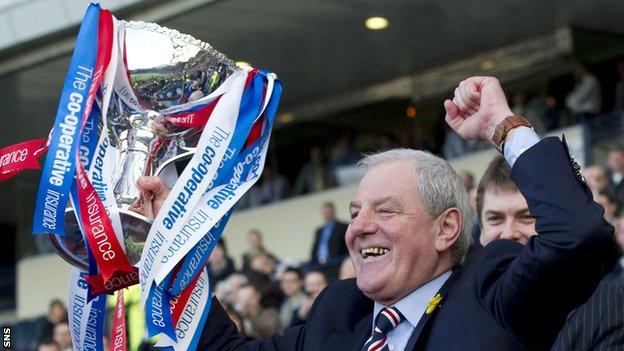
pixel 363 224
pixel 510 231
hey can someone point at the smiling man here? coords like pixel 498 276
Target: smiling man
pixel 409 231
pixel 503 211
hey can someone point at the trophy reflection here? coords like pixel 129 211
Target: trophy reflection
pixel 162 69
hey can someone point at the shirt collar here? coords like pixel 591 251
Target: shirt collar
pixel 414 305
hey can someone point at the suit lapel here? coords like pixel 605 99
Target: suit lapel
pixel 351 341
pixel 362 331
pixel 425 321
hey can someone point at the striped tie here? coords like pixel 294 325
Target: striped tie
pixel 386 320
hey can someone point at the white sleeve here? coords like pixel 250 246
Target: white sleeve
pixel 521 140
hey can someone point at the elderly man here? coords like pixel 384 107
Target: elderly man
pixel 409 231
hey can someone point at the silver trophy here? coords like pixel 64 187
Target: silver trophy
pixel 165 69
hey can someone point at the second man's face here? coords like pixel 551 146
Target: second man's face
pixel 505 215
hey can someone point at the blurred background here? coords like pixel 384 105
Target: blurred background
pixel 359 76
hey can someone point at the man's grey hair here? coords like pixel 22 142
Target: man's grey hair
pixel 439 188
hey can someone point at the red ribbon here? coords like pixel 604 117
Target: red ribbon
pixel 118 331
pixel 109 255
pixel 119 280
pixel 115 269
pixel 178 303
pixel 193 119
pixel 18 157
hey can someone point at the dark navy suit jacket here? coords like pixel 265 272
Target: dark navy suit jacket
pixel 511 297
pixel 336 246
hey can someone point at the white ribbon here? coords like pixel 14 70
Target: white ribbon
pixel 211 149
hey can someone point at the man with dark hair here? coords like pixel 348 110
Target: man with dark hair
pixel 291 283
pixel 607 199
pixel 504 214
pixel 258 321
pixel 502 209
pixel 615 165
pixel 256 245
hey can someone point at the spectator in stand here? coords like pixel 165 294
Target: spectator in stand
pixel 220 265
pixel 467 179
pixel 62 336
pixel 536 109
pixel 584 101
pixel 261 276
pixel 49 345
pixel 385 142
pixel 314 175
pixel 314 282
pixel 273 186
pixel 291 284
pixel 346 269
pixel 504 214
pixel 615 165
pixel 619 87
pixel 57 313
pixel 607 200
pixel 596 178
pixel 258 322
pixel 344 154
pixel 256 245
pixel 227 289
pixel 329 248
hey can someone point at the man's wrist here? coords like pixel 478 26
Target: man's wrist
pixel 508 124
pixel 496 119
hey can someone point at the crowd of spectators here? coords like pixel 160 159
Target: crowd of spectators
pixel 46 333
pixel 266 295
pixel 549 104
pixel 558 102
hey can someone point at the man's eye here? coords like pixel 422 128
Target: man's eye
pixel 494 219
pixel 353 215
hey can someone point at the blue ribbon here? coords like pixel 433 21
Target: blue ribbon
pixel 196 259
pixel 58 170
pixel 190 266
pixel 251 104
pixel 90 136
pixel 159 321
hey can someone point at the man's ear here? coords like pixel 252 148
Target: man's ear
pixel 447 229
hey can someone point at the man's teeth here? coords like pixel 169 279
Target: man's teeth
pixel 374 251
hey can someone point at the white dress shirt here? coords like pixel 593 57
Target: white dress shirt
pixel 412 306
pixel 522 139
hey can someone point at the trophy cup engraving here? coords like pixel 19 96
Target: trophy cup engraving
pixel 165 69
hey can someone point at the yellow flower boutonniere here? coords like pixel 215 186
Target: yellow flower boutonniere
pixel 433 303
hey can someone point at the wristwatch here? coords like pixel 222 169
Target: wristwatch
pixel 509 123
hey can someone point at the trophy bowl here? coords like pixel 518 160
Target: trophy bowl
pixel 163 69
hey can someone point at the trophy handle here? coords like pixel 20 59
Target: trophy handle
pixel 182 156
